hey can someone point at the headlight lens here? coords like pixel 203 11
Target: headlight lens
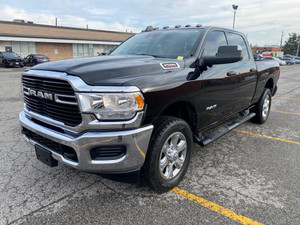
pixel 111 106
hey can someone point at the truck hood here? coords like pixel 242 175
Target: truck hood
pixel 112 70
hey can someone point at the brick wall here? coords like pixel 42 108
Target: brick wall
pixel 64 51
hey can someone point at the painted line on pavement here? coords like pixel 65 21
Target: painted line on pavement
pixel 265 136
pixel 291 99
pixel 284 112
pixel 214 207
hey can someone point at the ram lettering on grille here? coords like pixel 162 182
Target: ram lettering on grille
pixel 40 94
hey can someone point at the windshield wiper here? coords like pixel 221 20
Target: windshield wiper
pixel 155 56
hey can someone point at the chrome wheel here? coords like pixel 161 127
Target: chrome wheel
pixel 172 155
pixel 266 106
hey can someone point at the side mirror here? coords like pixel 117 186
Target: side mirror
pixel 226 54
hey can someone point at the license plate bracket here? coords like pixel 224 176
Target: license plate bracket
pixel 45 156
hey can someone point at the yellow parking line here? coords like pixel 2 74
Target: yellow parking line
pixel 291 113
pixel 214 207
pixel 265 136
pixel 291 99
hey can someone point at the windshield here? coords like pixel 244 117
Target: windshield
pixel 161 43
pixel 10 54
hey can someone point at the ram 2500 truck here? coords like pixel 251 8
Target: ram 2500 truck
pixel 142 107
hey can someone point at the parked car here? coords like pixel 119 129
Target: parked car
pixel 280 61
pixel 297 59
pixel 142 107
pixel 258 57
pixel 34 59
pixel 289 60
pixel 10 59
pixel 105 52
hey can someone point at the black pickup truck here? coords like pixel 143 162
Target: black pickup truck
pixel 142 107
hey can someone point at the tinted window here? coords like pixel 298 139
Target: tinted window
pixel 39 56
pixel 236 39
pixel 161 43
pixel 213 41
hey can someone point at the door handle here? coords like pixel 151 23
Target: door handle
pixel 232 73
pixel 252 70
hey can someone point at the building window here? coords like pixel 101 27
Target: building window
pixel 82 50
pixel 23 48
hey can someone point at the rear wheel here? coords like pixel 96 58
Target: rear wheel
pixel 263 107
pixel 168 154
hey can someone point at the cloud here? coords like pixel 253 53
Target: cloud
pixel 261 21
pixel 8 13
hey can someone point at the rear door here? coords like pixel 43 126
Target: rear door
pixel 228 88
pixel 245 80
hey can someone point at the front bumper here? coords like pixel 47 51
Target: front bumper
pixel 136 142
pixel 13 64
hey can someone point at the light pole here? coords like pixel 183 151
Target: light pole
pixel 298 45
pixel 235 7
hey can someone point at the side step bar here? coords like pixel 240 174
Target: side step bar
pixel 223 130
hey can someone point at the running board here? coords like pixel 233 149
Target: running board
pixel 223 130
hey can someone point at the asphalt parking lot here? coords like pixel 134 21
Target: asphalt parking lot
pixel 249 176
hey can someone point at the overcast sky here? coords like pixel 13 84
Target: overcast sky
pixel 262 21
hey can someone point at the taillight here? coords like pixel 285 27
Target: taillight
pixel 279 72
pixel 37 59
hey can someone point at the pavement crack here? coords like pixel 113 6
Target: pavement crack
pixel 51 203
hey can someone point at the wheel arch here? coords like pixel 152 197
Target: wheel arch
pixel 184 110
pixel 270 84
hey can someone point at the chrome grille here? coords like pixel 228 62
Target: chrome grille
pixel 63 107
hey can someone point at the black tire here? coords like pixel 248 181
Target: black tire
pixel 263 107
pixel 164 130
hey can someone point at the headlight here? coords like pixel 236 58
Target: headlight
pixel 111 106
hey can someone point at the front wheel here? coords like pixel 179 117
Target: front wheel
pixel 263 107
pixel 168 154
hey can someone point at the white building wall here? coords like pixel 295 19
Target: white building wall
pixel 3 44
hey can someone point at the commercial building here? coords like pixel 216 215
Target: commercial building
pixel 259 50
pixel 56 42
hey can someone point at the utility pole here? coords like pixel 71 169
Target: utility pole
pixel 56 22
pixel 298 46
pixel 281 40
pixel 235 7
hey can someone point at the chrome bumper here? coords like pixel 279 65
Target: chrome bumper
pixel 136 142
